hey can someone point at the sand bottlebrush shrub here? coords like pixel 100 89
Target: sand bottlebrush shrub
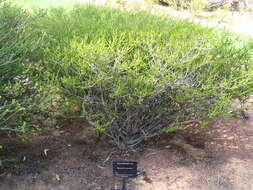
pixel 136 75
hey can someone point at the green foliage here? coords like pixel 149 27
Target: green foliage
pixel 134 73
pixel 33 4
pixel 15 85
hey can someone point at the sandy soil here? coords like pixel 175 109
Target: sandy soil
pixel 218 157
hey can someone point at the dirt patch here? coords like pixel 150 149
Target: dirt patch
pixel 226 166
pixel 74 157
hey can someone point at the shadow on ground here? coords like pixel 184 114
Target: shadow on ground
pixel 74 157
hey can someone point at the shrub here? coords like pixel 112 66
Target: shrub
pixel 15 85
pixel 136 74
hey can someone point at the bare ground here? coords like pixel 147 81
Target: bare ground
pixel 218 157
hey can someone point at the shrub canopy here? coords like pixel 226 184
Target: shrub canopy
pixel 135 74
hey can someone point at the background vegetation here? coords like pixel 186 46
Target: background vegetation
pixel 35 4
pixel 193 5
pixel 132 75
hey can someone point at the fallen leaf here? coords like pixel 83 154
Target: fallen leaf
pixel 45 151
pixel 101 167
pixel 57 177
